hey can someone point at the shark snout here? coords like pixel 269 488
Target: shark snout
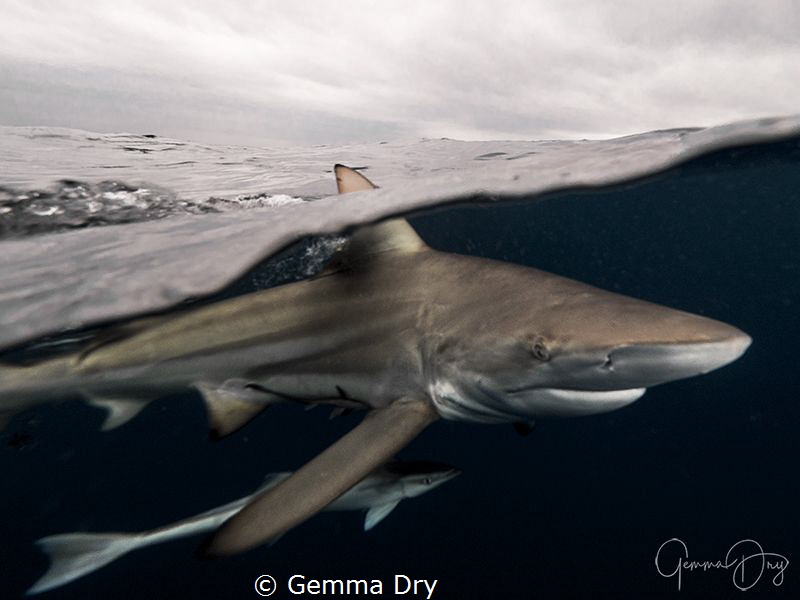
pixel 602 380
pixel 448 475
pixel 648 364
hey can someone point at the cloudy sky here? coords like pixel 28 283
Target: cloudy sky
pixel 314 72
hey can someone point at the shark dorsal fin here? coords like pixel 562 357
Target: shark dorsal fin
pixel 349 180
pixel 395 235
pixel 392 235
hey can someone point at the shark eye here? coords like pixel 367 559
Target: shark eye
pixel 427 481
pixel 539 349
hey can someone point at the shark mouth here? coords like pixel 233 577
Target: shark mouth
pixel 490 406
pixel 556 402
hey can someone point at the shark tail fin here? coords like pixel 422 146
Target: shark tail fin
pixel 73 555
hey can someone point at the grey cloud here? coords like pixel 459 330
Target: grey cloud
pixel 322 72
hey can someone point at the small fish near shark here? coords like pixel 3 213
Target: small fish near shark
pixel 74 555
pixel 391 326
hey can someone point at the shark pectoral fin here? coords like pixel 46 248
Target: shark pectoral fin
pixel 382 433
pixel 231 405
pixel 376 514
pixel 120 410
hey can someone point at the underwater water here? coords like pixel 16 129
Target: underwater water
pixel 577 509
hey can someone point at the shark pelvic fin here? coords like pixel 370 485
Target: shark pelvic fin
pixel 376 514
pixel 232 405
pixel 382 433
pixel 119 410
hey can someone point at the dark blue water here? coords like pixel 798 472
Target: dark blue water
pixel 578 509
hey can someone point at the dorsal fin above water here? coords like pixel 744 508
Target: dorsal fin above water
pixel 349 180
pixel 391 235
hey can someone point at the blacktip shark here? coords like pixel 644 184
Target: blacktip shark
pixel 74 555
pixel 409 334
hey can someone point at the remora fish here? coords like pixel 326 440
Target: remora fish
pixel 74 555
pixel 408 333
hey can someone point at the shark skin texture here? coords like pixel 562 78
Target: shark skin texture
pixel 395 328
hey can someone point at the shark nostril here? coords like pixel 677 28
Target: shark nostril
pixel 539 349
pixel 608 364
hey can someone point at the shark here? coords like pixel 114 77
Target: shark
pixel 395 328
pixel 74 555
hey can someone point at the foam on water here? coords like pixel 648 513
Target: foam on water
pixel 70 204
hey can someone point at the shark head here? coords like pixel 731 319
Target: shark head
pixel 549 346
pixel 420 476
